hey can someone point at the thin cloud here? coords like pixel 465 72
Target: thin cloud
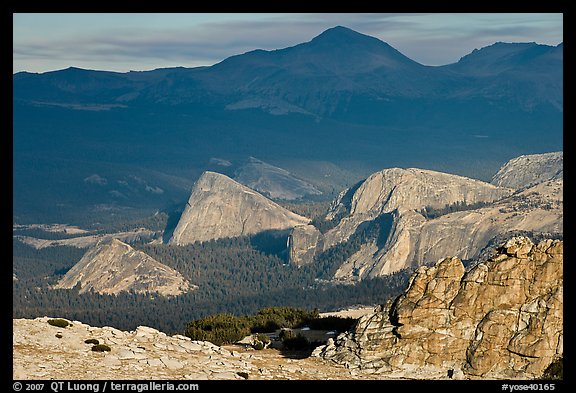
pixel 427 38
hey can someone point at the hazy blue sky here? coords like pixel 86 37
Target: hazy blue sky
pixel 123 42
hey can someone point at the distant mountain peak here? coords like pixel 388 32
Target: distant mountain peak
pixel 340 29
pixel 346 51
pixel 340 33
pixel 345 37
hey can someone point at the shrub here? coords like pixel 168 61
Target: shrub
pixel 273 318
pixel 286 334
pixel 218 329
pixel 58 335
pixel 92 341
pixel 261 324
pixel 101 348
pixel 260 341
pixel 243 374
pixel 297 343
pixel 290 340
pixel 263 337
pixel 58 322
pixel 226 329
pixel 555 370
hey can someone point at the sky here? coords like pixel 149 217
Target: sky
pixel 146 41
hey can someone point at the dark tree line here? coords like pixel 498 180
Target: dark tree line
pixel 377 230
pixel 47 235
pixel 227 329
pixel 28 262
pixel 430 212
pixel 232 276
pixel 32 298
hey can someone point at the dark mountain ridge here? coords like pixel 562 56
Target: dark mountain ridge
pixel 502 56
pixel 339 60
pixel 344 98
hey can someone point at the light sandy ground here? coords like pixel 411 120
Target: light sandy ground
pixel 355 312
pixel 86 241
pixel 42 351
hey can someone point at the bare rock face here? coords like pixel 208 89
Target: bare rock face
pixel 501 319
pixel 417 238
pixel 274 182
pixel 112 266
pixel 403 193
pixel 528 170
pixel 403 190
pixel 220 207
pixel 413 188
pixel 302 244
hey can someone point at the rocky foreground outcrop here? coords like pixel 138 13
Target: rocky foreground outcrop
pixel 501 319
pixel 220 207
pixel 42 351
pixel 112 266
